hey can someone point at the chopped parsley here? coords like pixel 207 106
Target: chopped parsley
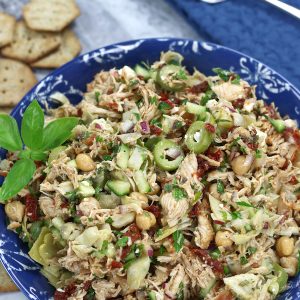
pixel 180 292
pixel 243 260
pixel 162 250
pixel 153 100
pixel 220 187
pixel 90 294
pixel 99 139
pixel 156 122
pixel 251 250
pixel 258 153
pixel 97 95
pixel 136 251
pixel 106 157
pixel 122 242
pixel 226 270
pixel 137 116
pixel 208 96
pixel 178 124
pixel 163 106
pixel 109 220
pixel 236 215
pixel 236 80
pixel 178 240
pixel 159 232
pixel 168 187
pixel 215 254
pixel 133 82
pixel 223 74
pixel 243 203
pixel 181 75
pixel 178 193
pixel 104 248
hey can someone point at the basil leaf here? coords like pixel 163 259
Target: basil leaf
pixel 19 176
pixel 178 240
pixel 9 134
pixel 57 132
pixel 38 155
pixel 33 126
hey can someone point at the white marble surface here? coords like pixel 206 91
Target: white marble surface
pixel 103 22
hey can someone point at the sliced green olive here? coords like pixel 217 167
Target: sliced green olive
pixel 198 138
pixel 282 276
pixel 166 78
pixel 167 155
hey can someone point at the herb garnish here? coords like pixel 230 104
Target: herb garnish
pixel 38 141
pixel 178 240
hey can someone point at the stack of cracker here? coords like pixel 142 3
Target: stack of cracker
pixel 41 40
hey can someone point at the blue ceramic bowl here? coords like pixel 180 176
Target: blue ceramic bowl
pixel 71 79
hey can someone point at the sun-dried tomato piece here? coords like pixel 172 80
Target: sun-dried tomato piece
pixel 134 233
pixel 155 130
pixel 199 88
pixel 155 209
pixel 238 103
pixel 68 292
pixel 116 264
pixel 31 208
pixel 210 127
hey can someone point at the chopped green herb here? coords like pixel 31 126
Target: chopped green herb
pixel 220 187
pixel 90 294
pixel 208 96
pixel 236 215
pixel 106 157
pixel 104 248
pixel 251 250
pixel 137 116
pixel 178 240
pixel 243 260
pixel 159 232
pixel 139 103
pixel 97 95
pixel 179 193
pixel 224 215
pixel 133 82
pixel 177 124
pixel 122 242
pixel 184 101
pixel 109 220
pixel 90 219
pixel 243 203
pixel 215 254
pixel 223 74
pixel 236 80
pixel 153 100
pixel 181 75
pixel 226 270
pixel 297 190
pixel 162 250
pixel 258 153
pixel 168 187
pixel 163 106
pixel 117 233
pixel 156 122
pixel 180 292
pixel 99 139
pixel 197 196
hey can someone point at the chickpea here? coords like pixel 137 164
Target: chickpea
pixel 140 197
pixel 290 265
pixel 145 220
pixel 85 163
pixel 239 165
pixel 284 246
pixel 214 191
pixel 222 238
pixel 15 210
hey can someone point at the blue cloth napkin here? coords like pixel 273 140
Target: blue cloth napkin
pixel 251 26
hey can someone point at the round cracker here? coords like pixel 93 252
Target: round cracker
pixel 7 26
pixel 29 45
pixel 52 15
pixel 15 81
pixel 69 48
pixel 6 284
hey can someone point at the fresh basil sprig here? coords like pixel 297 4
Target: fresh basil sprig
pixel 38 141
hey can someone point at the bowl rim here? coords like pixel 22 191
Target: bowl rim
pixel 79 58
